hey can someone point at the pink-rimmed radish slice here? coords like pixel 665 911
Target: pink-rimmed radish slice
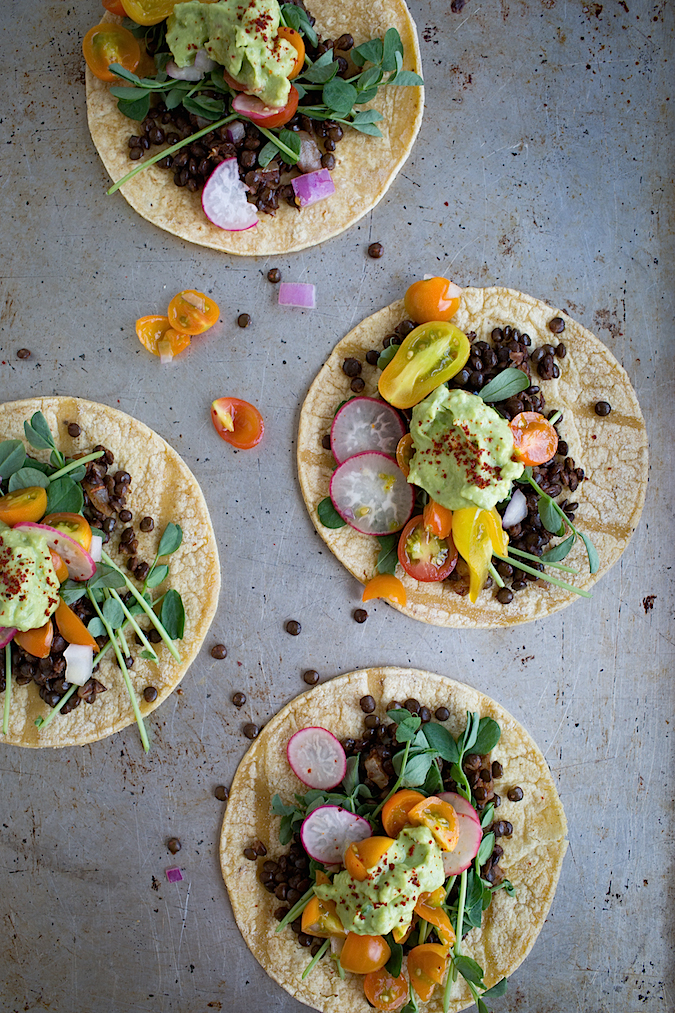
pixel 370 493
pixel 460 805
pixel 365 423
pixel 317 757
pixel 79 663
pixel 466 849
pixel 80 564
pixel 224 199
pixel 328 830
pixel 7 634
pixel 254 108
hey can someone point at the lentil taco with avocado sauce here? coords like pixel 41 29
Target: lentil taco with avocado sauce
pixel 392 835
pixel 474 456
pixel 276 128
pixel 109 572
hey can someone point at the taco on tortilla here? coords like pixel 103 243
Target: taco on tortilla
pixel 412 742
pixel 110 573
pixel 574 512
pixel 360 108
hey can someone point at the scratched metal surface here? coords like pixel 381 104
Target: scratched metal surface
pixel 542 164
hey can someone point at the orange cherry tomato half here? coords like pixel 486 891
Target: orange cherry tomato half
pixel 425 556
pixel 296 40
pixel 383 991
pixel 148 12
pixel 60 568
pixel 401 934
pixel 320 918
pixel 73 525
pixel 436 916
pixel 23 505
pixel 427 965
pixel 110 43
pixel 151 330
pixel 192 312
pixel 38 642
pixel 440 818
pixel 432 299
pixel 115 7
pixel 385 585
pixel 72 628
pixel 437 519
pixel 237 422
pixel 534 438
pixel 404 452
pixel 360 856
pixel 361 954
pixel 395 810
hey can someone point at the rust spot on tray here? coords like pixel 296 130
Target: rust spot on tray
pixel 648 603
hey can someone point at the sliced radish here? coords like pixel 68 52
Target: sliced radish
pixel 224 199
pixel 364 423
pixel 466 849
pixel 516 511
pixel 317 757
pixel 7 634
pixel 79 663
pixel 254 108
pixel 370 492
pixel 460 805
pixel 80 564
pixel 328 830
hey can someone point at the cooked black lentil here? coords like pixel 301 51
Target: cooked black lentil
pixel 239 699
pixel 219 651
pixel 174 845
pixel 311 677
pixel 23 353
pixel 74 430
pixel 360 615
pixel 603 408
pixel 375 250
pixel 222 793
pixel 293 627
pixel 251 731
pixel 244 319
pixel 149 694
pixel 357 384
pixel 351 367
pixel 325 441
pixel 274 275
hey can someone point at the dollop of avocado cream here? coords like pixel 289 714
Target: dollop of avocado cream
pixel 29 587
pixel 242 37
pixel 463 451
pixel 412 865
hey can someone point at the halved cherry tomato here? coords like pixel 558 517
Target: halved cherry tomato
pixel 360 856
pixel 437 519
pixel 110 43
pixel 256 111
pixel 23 505
pixel 361 954
pixel 436 916
pixel 404 452
pixel 477 534
pixel 60 568
pixel 430 355
pixel 383 991
pixel 73 525
pixel 192 312
pixel 395 810
pixel 72 628
pixel 320 918
pixel 432 299
pixel 385 585
pixel 424 556
pixel 296 40
pixel 151 330
pixel 237 422
pixel 440 818
pixel 38 642
pixel 115 7
pixel 148 12
pixel 401 934
pixel 427 965
pixel 534 438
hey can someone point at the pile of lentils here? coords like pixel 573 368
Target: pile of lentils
pixel 508 347
pixel 287 877
pixel 193 164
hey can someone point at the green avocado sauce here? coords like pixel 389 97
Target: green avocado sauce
pixel 29 588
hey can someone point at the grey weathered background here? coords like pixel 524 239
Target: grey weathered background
pixel 543 163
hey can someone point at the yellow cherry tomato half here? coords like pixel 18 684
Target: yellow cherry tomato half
pixel 23 505
pixel 192 312
pixel 430 355
pixel 436 916
pixel 360 856
pixel 148 12
pixel 320 918
pixel 295 39
pixel 362 954
pixel 385 585
pixel 440 818
pixel 38 642
pixel 404 451
pixel 110 43
pixel 153 329
pixel 472 531
pixel 534 438
pixel 427 965
pixel 115 7
pixel 384 991
pixel 60 568
pixel 73 525
pixel 432 299
pixel 237 422
pixel 395 810
pixel 72 628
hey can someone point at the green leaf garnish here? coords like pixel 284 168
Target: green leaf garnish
pixel 171 539
pixel 508 383
pixel 12 457
pixel 24 478
pixel 328 515
pixel 172 614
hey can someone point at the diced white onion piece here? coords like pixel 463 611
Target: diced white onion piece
pixel 310 156
pixel 297 293
pixel 192 73
pixel 95 548
pixel 313 187
pixel 203 61
pixel 165 352
pixel 195 299
pixel 236 131
pixel 516 511
pixel 79 663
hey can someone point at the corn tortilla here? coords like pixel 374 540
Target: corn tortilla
pixel 611 450
pixel 164 488
pixel 532 856
pixel 365 166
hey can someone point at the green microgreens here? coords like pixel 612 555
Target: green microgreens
pixel 43 722
pixel 556 521
pixel 8 688
pixel 296 910
pixel 315 959
pixel 546 557
pixel 165 634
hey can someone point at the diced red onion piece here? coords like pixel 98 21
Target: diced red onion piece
pixel 165 352
pixel 7 634
pixel 516 511
pixel 79 663
pixel 95 548
pixel 297 293
pixel 236 131
pixel 313 187
pixel 174 875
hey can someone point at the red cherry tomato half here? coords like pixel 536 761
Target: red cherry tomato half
pixel 115 7
pixel 110 43
pixel 256 111
pixel 237 422
pixel 424 555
